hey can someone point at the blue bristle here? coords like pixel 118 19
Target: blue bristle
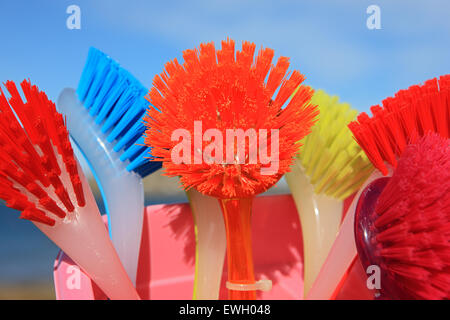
pixel 125 102
pixel 105 91
pixel 148 168
pixel 115 98
pixel 97 83
pixel 111 100
pixel 129 136
pixel 140 160
pixel 88 73
pixel 133 151
pixel 128 120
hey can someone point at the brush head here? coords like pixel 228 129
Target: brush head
pixel 38 171
pixel 410 114
pixel 334 162
pixel 408 233
pixel 115 99
pixel 224 90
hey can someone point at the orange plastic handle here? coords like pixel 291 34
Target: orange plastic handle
pixel 237 216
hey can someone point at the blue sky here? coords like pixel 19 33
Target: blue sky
pixel 326 40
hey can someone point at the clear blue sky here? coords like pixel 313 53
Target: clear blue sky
pixel 327 40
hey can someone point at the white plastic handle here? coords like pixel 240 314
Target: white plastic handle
pixel 211 245
pixel 320 218
pixel 341 254
pixel 122 191
pixel 82 235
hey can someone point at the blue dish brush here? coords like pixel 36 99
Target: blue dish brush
pixel 104 118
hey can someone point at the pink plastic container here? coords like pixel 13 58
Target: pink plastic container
pixel 166 262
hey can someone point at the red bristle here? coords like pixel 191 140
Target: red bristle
pixel 438 103
pixel 245 57
pixel 402 119
pixel 228 91
pixel 226 54
pixel 72 169
pixel 51 206
pixel 37 215
pixel 367 141
pixel 363 117
pixel 413 220
pixel 277 75
pixel 394 125
pixel 46 146
pixel 444 86
pixel 10 170
pixel 22 159
pixel 32 149
pixel 78 189
pixel 263 63
pixel 383 140
pixel 61 191
pixel 36 163
pixel 18 202
pixel 71 166
pixel 19 108
pixel 36 190
pixel 54 121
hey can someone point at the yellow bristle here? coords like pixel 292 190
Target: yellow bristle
pixel 330 156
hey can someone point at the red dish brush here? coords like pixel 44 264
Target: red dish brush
pixel 406 231
pixel 223 90
pixel 40 176
pixel 35 169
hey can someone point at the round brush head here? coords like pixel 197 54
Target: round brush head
pixel 402 224
pixel 214 91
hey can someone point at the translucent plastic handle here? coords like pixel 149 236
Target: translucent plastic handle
pixel 122 190
pixel 320 218
pixel 211 245
pixel 341 254
pixel 237 216
pixel 82 235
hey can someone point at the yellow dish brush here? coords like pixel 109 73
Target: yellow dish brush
pixel 330 167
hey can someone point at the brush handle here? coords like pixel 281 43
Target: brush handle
pixel 341 254
pixel 237 216
pixel 320 218
pixel 210 246
pixel 122 191
pixel 82 235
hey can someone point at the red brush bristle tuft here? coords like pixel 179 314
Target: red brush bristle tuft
pixel 402 119
pixel 413 221
pixel 33 143
pixel 224 90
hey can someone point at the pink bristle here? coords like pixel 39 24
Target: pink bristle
pixel 413 218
